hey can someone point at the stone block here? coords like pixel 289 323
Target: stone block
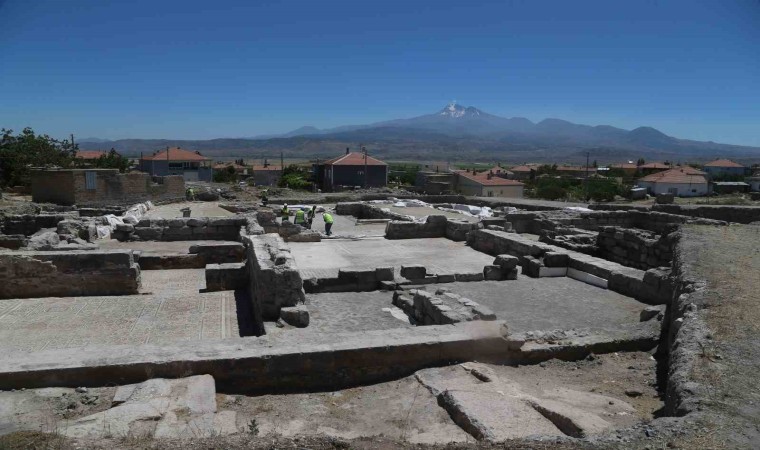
pixel 650 312
pixel 483 312
pixel 388 285
pixel 506 262
pixel 176 223
pixel 197 222
pixel 511 274
pixel 413 272
pixel 556 259
pixel 447 278
pixel 492 272
pixel 125 227
pixel 297 316
pixel 476 276
pixel 385 273
pixel 531 267
pixel 149 234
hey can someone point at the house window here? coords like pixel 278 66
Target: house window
pixel 89 180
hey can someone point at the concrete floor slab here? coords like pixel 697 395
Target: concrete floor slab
pixel 170 309
pixel 528 304
pixel 441 255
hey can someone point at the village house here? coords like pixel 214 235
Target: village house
pixel 352 169
pixel 524 172
pixel 680 181
pixel 487 184
pixel 721 168
pixel 266 174
pixel 177 161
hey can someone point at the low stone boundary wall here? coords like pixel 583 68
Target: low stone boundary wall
pixel 199 255
pixel 68 274
pixel 649 287
pixel 366 211
pixel 434 227
pixel 738 214
pixel 274 278
pixel 351 280
pixel 441 308
pixel 270 364
pixel 186 229
pixel 13 241
pixel 28 224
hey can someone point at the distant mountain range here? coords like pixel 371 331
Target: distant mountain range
pixel 455 133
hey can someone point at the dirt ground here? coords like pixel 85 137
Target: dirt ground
pixel 729 260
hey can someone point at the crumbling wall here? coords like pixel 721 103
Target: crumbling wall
pixel 625 280
pixel 68 274
pixel 274 278
pixel 351 280
pixel 366 211
pixel 443 308
pixel 187 228
pixel 635 248
pixel 434 227
pixel 28 224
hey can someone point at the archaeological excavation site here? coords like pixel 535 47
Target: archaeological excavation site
pixel 419 320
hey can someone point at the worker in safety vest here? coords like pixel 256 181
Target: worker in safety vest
pixel 265 197
pixel 285 213
pixel 190 194
pixel 300 217
pixel 310 216
pixel 328 223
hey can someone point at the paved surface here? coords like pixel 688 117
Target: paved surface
pixel 156 247
pixel 197 209
pixel 169 310
pixel 528 304
pixel 349 312
pixel 323 259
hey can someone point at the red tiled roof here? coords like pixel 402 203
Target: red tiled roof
pixel 482 178
pixel 690 170
pixel 90 154
pixel 676 176
pixel 353 159
pixel 723 163
pixel 176 154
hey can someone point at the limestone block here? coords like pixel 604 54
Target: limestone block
pixel 474 276
pixel 149 234
pixel 44 240
pixel 511 274
pixel 556 259
pixel 385 273
pixel 506 262
pixel 446 277
pixel 197 222
pixel 483 312
pixel 413 272
pixel 531 267
pixel 650 312
pixel 176 223
pixel 297 316
pixel 492 272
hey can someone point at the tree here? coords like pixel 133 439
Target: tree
pixel 640 162
pixel 113 160
pixel 226 175
pixel 295 177
pixel 20 153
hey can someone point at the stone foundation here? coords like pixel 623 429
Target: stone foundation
pixel 187 229
pixel 443 308
pixel 68 274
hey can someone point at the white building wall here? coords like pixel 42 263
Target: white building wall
pixel 680 189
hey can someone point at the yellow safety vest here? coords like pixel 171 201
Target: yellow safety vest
pixel 328 218
pixel 299 217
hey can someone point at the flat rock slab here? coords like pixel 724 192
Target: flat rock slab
pixel 160 408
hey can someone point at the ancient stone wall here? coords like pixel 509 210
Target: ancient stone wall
pixel 625 280
pixel 443 308
pixel 188 228
pixel 635 248
pixel 28 224
pixel 68 274
pixel 434 226
pixel 366 211
pixel 351 280
pixel 738 214
pixel 274 278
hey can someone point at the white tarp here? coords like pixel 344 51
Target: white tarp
pixel 578 208
pixel 477 211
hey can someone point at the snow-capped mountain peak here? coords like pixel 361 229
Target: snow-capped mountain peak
pixel 455 111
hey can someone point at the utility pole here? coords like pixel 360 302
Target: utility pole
pixel 587 190
pixel 364 150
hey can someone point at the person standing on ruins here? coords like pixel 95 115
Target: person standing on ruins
pixel 327 217
pixel 285 213
pixel 300 218
pixel 310 216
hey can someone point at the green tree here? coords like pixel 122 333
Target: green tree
pixel 20 153
pixel 113 160
pixel 295 177
pixel 226 175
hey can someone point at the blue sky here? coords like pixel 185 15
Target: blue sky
pixel 204 69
